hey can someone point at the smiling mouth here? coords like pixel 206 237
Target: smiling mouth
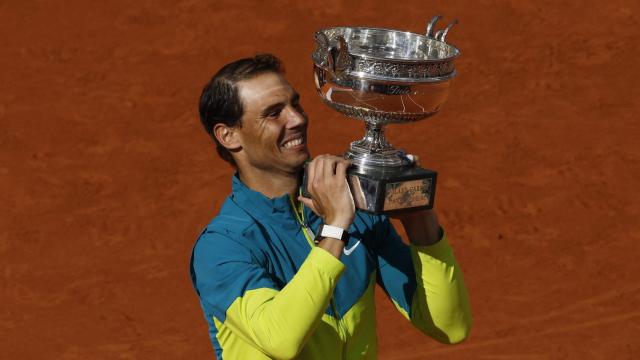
pixel 293 143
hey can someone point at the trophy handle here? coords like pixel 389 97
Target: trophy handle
pixel 442 34
pixel 321 52
pixel 339 58
pixel 431 24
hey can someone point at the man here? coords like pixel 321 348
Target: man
pixel 268 291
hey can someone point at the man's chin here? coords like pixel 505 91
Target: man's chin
pixel 304 157
pixel 299 161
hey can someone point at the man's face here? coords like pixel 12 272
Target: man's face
pixel 274 126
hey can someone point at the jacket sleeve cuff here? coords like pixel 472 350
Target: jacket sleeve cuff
pixel 440 250
pixel 326 263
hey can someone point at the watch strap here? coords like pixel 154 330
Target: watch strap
pixel 329 231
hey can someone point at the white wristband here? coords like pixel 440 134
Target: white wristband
pixel 329 231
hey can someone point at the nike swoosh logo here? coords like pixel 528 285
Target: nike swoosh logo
pixel 350 250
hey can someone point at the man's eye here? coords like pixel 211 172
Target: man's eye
pixel 273 112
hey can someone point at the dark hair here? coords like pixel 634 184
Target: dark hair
pixel 220 101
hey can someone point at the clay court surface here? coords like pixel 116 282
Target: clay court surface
pixel 107 177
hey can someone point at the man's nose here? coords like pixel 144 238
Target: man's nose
pixel 295 117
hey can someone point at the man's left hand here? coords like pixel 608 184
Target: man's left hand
pixel 422 226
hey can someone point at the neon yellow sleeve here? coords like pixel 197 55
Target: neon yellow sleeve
pixel 280 322
pixel 440 305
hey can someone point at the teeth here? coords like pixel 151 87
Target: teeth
pixel 292 143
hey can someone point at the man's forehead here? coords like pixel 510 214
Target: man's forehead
pixel 264 89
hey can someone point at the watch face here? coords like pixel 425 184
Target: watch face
pixel 334 232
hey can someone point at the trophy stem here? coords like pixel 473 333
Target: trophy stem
pixel 374 140
pixel 373 150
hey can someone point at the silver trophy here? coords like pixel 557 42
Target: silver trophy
pixel 384 77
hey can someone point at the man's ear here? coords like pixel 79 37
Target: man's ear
pixel 227 136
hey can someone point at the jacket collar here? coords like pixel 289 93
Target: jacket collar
pixel 256 202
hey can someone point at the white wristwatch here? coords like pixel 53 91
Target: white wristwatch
pixel 329 231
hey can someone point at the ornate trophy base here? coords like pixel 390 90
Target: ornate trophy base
pixel 381 191
pixel 384 190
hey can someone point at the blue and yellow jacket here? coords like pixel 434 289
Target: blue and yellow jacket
pixel 268 293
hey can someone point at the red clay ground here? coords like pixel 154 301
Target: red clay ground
pixel 107 177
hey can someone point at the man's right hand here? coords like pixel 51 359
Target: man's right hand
pixel 328 186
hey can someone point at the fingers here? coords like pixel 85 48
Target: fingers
pixel 414 159
pixel 341 168
pixel 328 163
pixel 325 173
pixel 311 171
pixel 321 171
pixel 308 203
pixel 331 196
pixel 315 173
pixel 330 166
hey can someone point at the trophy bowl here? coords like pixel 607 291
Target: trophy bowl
pixel 382 77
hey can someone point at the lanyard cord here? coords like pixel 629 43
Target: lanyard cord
pixel 299 213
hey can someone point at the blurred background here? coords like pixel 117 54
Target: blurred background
pixel 107 177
